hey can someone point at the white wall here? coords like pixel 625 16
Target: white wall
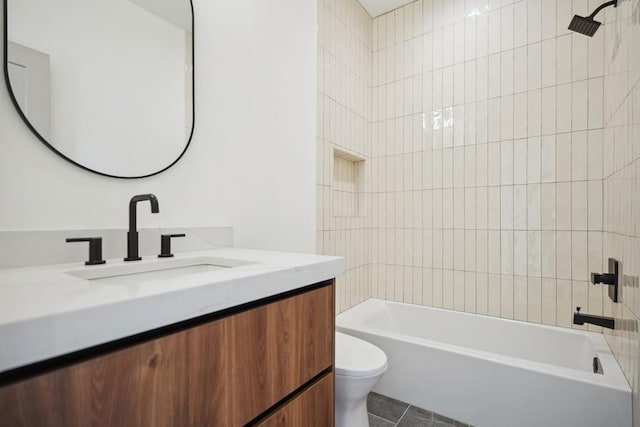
pixel 252 160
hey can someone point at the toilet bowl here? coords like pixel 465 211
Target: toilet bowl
pixel 358 367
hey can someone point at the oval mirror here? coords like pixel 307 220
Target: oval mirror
pixel 106 84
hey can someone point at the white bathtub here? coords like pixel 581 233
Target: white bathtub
pixel 492 372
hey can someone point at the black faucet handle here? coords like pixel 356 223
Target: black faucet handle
pixel 604 278
pixel 165 245
pixel 578 309
pixel 95 249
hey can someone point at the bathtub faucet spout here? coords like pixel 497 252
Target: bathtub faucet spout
pixel 581 319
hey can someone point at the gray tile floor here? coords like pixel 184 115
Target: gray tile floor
pixel 387 412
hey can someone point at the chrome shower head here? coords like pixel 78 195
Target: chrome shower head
pixel 587 25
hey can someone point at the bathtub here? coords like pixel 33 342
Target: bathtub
pixel 492 372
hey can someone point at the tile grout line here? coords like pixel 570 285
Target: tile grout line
pixel 403 414
pixel 382 418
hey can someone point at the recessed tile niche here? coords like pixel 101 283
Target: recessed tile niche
pixel 348 183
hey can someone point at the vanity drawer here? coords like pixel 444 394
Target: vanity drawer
pixel 226 372
pixel 276 349
pixel 310 408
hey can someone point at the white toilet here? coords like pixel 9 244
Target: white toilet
pixel 358 365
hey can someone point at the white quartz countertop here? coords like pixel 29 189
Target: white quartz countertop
pixel 47 312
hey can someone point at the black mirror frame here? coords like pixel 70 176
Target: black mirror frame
pixel 48 145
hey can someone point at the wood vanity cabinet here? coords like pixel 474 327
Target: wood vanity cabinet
pixel 269 364
pixel 309 408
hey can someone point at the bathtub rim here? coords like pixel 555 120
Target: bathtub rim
pixel 613 378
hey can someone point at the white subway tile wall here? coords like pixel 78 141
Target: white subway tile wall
pixel 619 165
pixel 504 125
pixel 344 122
pixel 502 158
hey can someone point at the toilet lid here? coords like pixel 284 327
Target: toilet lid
pixel 358 358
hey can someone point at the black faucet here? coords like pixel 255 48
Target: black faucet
pixel 581 319
pixel 132 235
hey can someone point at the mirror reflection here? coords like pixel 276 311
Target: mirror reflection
pixel 108 84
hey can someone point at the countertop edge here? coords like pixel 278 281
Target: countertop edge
pixel 41 338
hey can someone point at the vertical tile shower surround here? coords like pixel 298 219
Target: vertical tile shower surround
pixel 621 173
pixel 501 158
pixel 483 150
pixel 485 121
pixel 344 125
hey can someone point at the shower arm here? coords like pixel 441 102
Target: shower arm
pixel 613 3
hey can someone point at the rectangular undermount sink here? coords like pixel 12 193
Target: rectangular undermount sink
pixel 126 274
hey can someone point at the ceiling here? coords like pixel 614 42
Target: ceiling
pixel 380 7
